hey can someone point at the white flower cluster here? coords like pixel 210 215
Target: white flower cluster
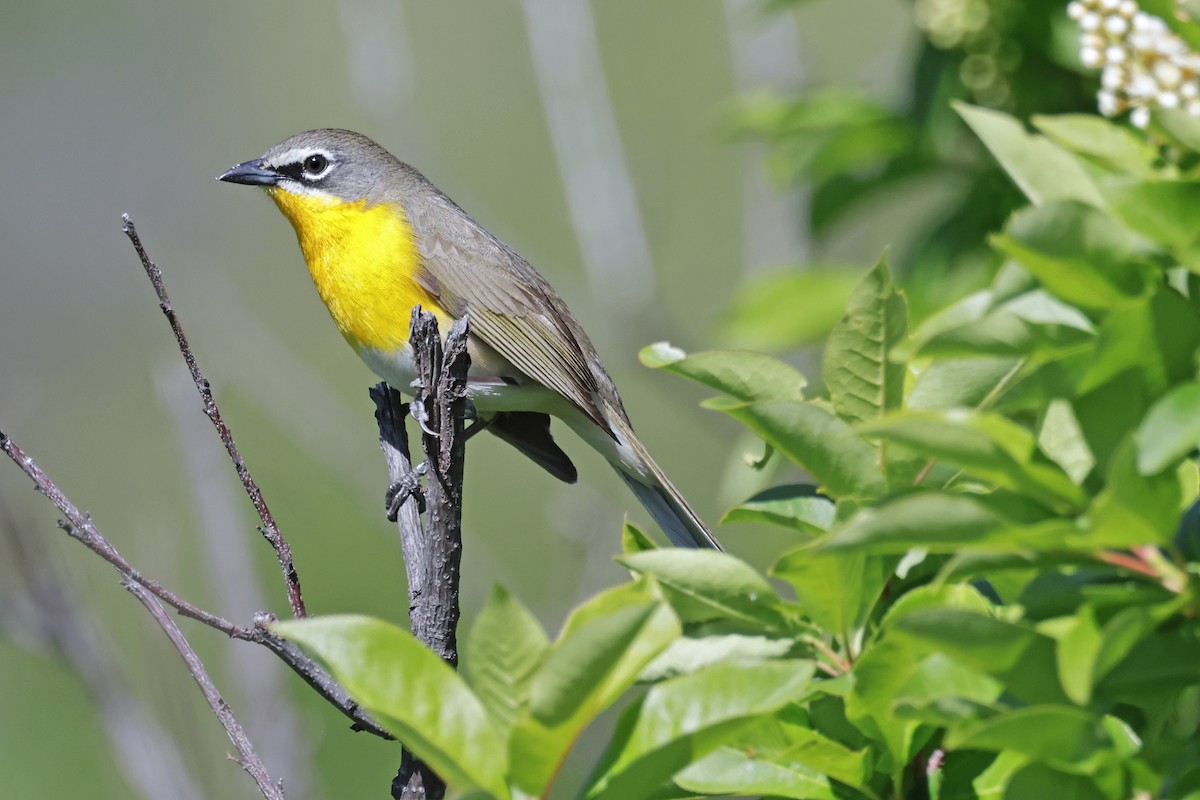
pixel 1143 65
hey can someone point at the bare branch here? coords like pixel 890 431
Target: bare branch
pixel 270 531
pixel 253 681
pixel 432 553
pixel 80 527
pixel 246 758
pixel 148 755
pixel 443 376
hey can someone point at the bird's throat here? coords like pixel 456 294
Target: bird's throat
pixel 364 261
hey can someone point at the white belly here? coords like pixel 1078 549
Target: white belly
pixel 485 388
pixel 491 395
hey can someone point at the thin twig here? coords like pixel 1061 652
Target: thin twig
pixel 1129 561
pixel 149 756
pixel 80 527
pixel 253 681
pixel 247 758
pixel 269 529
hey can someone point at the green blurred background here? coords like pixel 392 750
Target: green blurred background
pixel 594 138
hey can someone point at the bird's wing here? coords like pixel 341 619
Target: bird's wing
pixel 512 308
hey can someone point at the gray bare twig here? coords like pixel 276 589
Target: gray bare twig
pixel 79 526
pixel 246 757
pixel 270 531
pixel 41 602
pixel 254 683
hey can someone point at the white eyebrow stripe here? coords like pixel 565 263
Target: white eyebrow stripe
pixel 297 155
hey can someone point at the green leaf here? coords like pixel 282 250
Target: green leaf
pixel 1134 509
pixel 1040 782
pixel 991 782
pixel 1120 635
pixel 788 309
pixel 1162 211
pixel 506 644
pixel 965 312
pixel 634 541
pixel 1018 656
pixel 741 374
pixel 797 507
pixel 734 771
pixel 961 383
pixel 863 383
pixel 930 688
pixel 954 595
pixel 1155 336
pixel 1179 125
pixel 1101 142
pixel 878 675
pixel 1078 647
pixel 835 590
pixel 1107 412
pixel 1160 665
pixel 1043 171
pixel 815 439
pixel 1031 324
pixel 986 445
pixel 1059 736
pixel 1078 254
pixel 411 692
pixel 1170 430
pixel 695 652
pixel 940 691
pixel 1061 438
pixel 689 716
pixel 939 522
pixel 706 585
pixel 780 757
pixel 605 644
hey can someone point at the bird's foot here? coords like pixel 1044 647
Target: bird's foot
pixel 408 486
pixel 475 427
pixel 478 423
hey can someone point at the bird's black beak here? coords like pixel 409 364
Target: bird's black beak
pixel 251 173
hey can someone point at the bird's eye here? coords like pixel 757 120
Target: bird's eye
pixel 315 164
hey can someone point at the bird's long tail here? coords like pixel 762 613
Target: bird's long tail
pixel 649 483
pixel 664 502
pixel 672 513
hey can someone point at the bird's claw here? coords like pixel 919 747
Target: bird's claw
pixel 418 411
pixel 399 492
pixel 421 415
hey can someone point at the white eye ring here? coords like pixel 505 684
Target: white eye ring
pixel 316 165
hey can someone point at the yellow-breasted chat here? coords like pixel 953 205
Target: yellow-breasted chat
pixel 379 239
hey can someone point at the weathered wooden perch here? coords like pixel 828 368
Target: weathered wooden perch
pixel 433 546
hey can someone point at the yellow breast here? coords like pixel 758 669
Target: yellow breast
pixel 364 261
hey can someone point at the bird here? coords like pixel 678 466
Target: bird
pixel 379 239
